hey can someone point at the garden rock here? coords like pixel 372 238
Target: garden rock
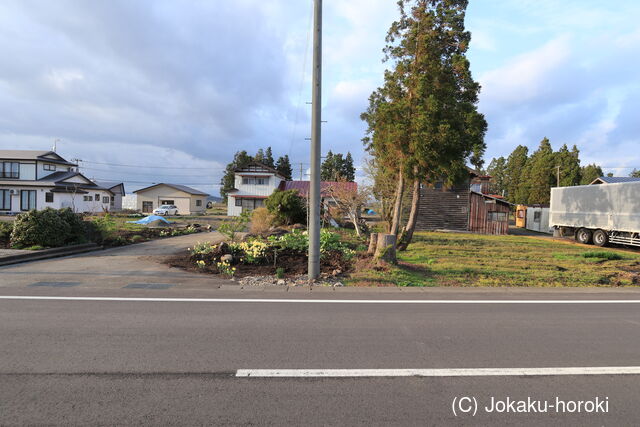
pixel 227 258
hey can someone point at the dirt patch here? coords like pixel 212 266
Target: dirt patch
pixel 293 263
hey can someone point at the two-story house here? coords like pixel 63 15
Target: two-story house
pixel 253 184
pixel 42 179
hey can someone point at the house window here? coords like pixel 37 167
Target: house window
pixel 48 197
pixel 476 187
pixel 536 216
pixel 261 181
pixel 238 202
pixel 147 207
pixel 50 167
pixel 167 202
pixel 259 203
pixel 87 198
pixel 5 200
pixel 97 196
pixel 11 170
pixel 497 216
pixel 199 203
pixel 27 200
pixel 105 199
pixel 247 181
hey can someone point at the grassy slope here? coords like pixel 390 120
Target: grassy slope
pixel 448 259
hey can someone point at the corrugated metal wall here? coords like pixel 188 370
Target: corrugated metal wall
pixel 480 219
pixel 446 209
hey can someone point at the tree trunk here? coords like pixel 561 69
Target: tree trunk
pixel 373 242
pixel 386 248
pixel 407 235
pixel 397 207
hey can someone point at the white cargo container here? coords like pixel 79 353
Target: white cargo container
pixel 599 213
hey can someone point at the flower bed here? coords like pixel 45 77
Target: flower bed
pixel 280 255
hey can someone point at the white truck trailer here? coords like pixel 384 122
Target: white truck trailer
pixel 598 214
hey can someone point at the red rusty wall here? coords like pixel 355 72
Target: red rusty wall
pixel 479 215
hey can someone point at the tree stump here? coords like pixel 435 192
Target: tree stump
pixel 373 242
pixel 386 248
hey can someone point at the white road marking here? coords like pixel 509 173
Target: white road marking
pixel 318 301
pixel 481 372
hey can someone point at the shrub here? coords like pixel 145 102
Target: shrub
pixel 137 238
pixel 6 228
pixel 40 228
pixel 104 228
pixel 77 229
pixel 287 207
pixel 231 227
pixel 261 221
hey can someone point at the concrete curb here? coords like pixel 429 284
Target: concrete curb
pixel 49 253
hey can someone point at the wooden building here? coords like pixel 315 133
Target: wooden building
pixel 464 207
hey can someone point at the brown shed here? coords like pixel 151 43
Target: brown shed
pixel 463 208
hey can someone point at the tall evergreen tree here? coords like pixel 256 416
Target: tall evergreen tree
pixel 635 173
pixel 498 171
pixel 569 166
pixel 590 172
pixel 432 91
pixel 259 157
pixel 348 172
pixel 514 171
pixel 541 175
pixel 284 167
pixel 227 183
pixel 268 158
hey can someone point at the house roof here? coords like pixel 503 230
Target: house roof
pixel 614 179
pixel 270 169
pixel 178 187
pixel 34 155
pixel 496 198
pixel 325 186
pixel 58 182
pixel 110 185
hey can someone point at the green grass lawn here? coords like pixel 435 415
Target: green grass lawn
pixel 449 259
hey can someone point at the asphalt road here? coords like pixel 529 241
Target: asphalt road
pixel 175 361
pixel 131 362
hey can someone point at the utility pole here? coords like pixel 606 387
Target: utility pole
pixel 316 122
pixel 558 177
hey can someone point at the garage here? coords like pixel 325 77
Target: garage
pixel 189 201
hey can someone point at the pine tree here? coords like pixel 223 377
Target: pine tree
pixel 569 164
pixel 284 167
pixel 326 168
pixel 589 173
pixel 541 177
pixel 514 170
pixel 268 158
pixel 348 170
pixel 259 157
pixel 227 183
pixel 498 171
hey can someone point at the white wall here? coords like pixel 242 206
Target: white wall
pixel 541 226
pixel 62 200
pixel 272 183
pixel 232 209
pixel 28 171
pixel 43 173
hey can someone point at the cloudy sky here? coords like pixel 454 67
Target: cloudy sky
pixel 152 90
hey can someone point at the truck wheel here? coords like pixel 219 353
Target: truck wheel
pixel 584 236
pixel 600 238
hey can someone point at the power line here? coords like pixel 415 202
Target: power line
pixel 159 182
pixel 142 174
pixel 149 167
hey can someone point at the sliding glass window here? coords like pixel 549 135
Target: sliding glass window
pixel 5 200
pixel 27 200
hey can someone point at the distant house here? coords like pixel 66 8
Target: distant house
pixel 463 207
pixel 614 179
pixel 253 184
pixel 35 180
pixel 188 200
pixel 117 188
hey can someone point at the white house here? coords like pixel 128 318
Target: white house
pixel 42 179
pixel 253 184
pixel 189 201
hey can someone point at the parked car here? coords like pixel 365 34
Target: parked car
pixel 165 210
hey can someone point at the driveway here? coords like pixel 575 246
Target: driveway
pixel 134 266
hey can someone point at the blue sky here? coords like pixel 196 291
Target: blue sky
pixel 176 87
